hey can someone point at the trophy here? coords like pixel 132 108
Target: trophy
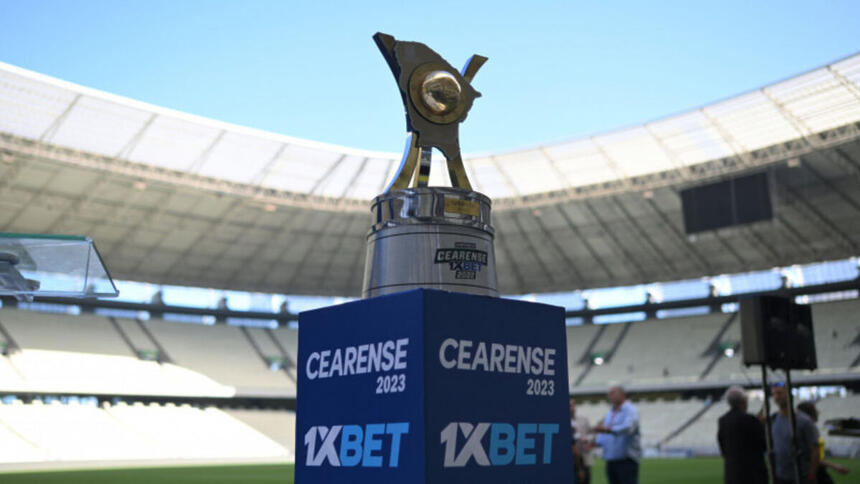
pixel 434 395
pixel 430 237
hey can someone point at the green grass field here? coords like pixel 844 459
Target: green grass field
pixel 653 471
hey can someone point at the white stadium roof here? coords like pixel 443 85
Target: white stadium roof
pixel 172 198
pixel 41 108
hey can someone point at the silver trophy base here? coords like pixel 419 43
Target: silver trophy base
pixel 430 237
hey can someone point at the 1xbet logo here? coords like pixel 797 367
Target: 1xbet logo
pixel 358 445
pixel 521 444
pixel 464 259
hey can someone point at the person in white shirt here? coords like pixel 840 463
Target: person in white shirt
pixel 619 437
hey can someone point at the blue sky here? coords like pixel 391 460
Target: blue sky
pixel 557 70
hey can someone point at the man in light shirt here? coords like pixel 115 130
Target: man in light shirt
pixel 619 437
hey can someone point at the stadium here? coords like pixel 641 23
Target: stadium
pixel 190 375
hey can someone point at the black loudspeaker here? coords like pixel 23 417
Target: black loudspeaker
pixel 776 332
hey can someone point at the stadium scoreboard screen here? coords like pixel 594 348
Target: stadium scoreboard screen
pixel 433 386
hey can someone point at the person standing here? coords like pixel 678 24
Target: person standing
pixel 582 456
pixel 742 442
pixel 806 438
pixel 618 434
pixel 823 477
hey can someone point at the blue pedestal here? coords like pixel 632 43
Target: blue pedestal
pixel 429 386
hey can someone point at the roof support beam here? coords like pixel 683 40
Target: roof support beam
pixel 731 250
pixel 548 237
pixel 832 187
pixel 738 150
pixel 27 149
pixel 51 131
pixel 53 176
pixel 613 165
pixel 354 177
pixel 341 237
pixel 327 173
pixel 11 169
pixel 155 248
pixel 816 217
pixel 384 182
pixel 149 219
pixel 553 164
pixel 846 83
pixel 510 183
pixel 128 149
pixel 332 218
pixel 611 234
pixel 532 248
pixel 357 265
pixel 285 239
pixel 803 242
pixel 82 203
pixel 252 252
pixel 683 242
pixel 676 160
pixel 264 171
pixel 120 211
pixel 763 247
pixel 518 276
pixel 204 155
pixel 594 255
pixel 802 129
pixel 643 235
pixel 215 225
pixel 846 162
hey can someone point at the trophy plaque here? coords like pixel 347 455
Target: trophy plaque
pixel 430 237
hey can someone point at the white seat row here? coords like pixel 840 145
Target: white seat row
pixel 85 432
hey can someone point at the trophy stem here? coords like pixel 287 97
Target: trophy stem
pixel 422 174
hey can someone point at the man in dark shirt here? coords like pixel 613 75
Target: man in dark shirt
pixel 742 442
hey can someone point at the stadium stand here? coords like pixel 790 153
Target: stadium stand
pixel 80 334
pixel 689 426
pixel 203 360
pixel 83 431
pixel 84 374
pixel 609 208
pixel 699 437
pixel 730 368
pixel 641 356
pixel 137 336
pixel 837 327
pixel 839 407
pixel 221 360
pixel 289 340
pixel 161 192
pixel 658 417
pixel 279 426
pixel 676 350
pixel 221 352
